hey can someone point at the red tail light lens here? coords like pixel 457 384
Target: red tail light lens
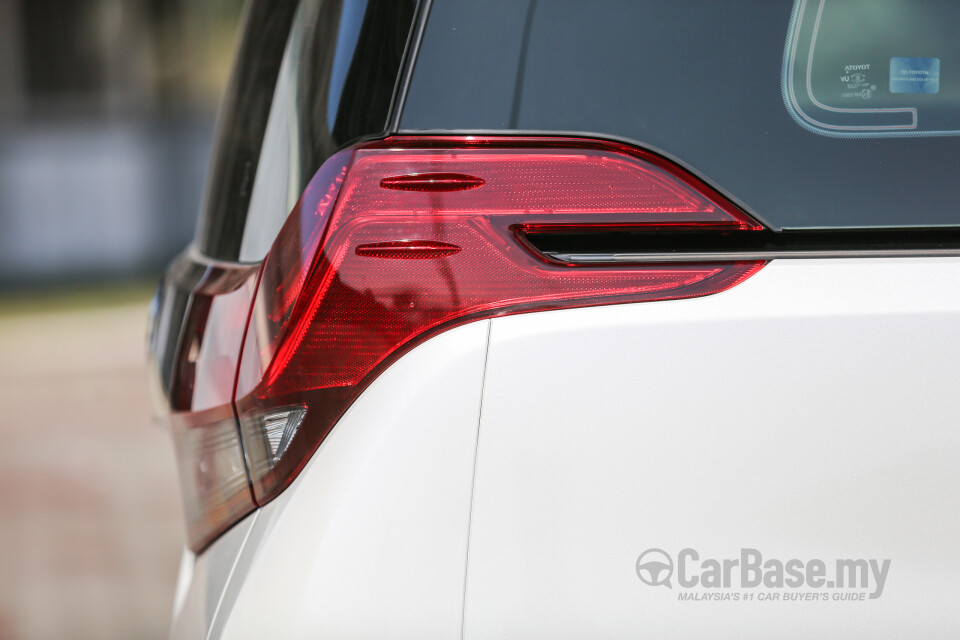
pixel 432 182
pixel 402 239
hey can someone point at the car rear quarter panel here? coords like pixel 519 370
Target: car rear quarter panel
pixel 810 412
pixel 370 540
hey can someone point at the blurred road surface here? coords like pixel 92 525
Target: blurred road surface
pixel 90 522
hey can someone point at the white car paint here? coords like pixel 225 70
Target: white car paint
pixel 371 539
pixel 203 581
pixel 810 412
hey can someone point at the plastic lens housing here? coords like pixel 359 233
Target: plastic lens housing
pixel 399 240
pixel 214 485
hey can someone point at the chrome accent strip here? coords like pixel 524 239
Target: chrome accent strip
pixel 736 256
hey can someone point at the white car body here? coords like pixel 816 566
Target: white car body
pixel 502 479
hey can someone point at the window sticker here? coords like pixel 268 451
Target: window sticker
pixel 914 75
pixel 871 68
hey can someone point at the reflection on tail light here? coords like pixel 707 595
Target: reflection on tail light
pixel 213 476
pixel 276 429
pixel 398 240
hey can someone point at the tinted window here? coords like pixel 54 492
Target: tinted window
pixel 709 84
pixel 240 127
pixel 326 85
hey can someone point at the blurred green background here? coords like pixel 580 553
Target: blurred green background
pixel 107 111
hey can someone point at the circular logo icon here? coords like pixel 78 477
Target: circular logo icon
pixel 655 568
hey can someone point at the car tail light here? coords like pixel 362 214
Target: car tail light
pixel 214 486
pixel 399 240
pixel 214 483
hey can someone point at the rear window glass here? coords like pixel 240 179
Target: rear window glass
pixel 809 113
pixel 855 69
pixel 240 127
pixel 335 85
pixel 311 77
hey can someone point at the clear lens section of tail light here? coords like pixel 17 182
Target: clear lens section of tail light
pixel 269 434
pixel 399 240
pixel 213 477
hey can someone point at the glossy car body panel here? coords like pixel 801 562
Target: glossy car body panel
pixel 597 442
pixel 371 540
pixel 810 412
pixel 204 579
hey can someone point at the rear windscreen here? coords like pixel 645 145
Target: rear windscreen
pixel 809 113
